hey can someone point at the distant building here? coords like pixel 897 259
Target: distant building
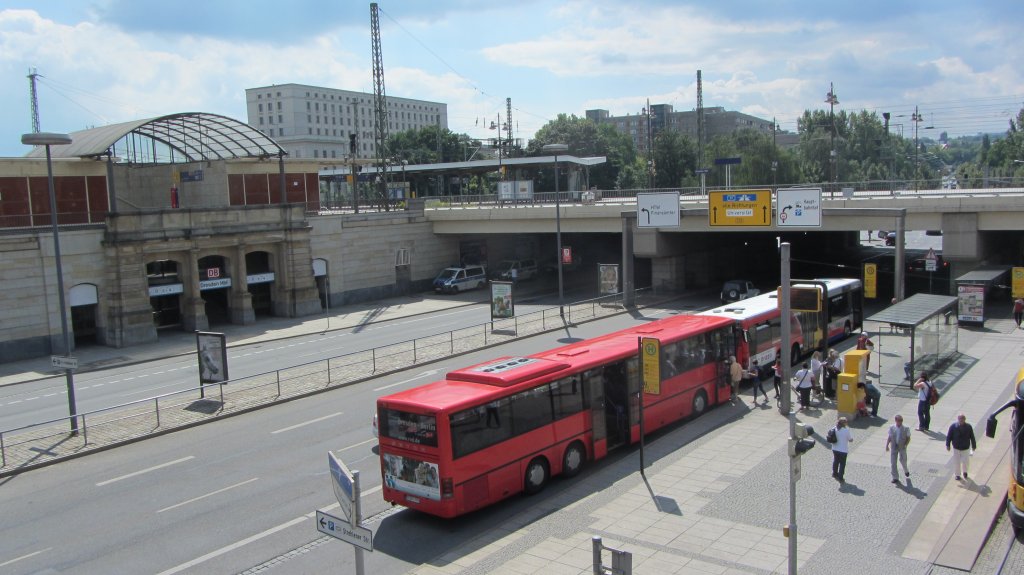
pixel 718 121
pixel 312 122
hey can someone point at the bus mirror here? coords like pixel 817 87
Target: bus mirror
pixel 990 427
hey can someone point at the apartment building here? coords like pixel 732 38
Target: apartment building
pixel 313 122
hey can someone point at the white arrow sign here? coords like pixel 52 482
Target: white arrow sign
pixel 340 529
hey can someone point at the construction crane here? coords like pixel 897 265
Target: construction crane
pixel 380 110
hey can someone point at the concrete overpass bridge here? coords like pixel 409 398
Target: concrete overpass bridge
pixel 979 226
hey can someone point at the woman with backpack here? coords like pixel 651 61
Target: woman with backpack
pixel 924 404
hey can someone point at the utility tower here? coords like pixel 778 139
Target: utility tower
pixel 380 109
pixel 32 75
pixel 508 126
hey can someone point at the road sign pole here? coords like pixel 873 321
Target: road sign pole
pixel 357 519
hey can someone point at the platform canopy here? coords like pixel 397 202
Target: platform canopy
pixel 914 310
pixel 177 138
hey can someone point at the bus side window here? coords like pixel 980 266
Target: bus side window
pixel 567 396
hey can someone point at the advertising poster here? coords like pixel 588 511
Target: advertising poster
pixel 971 304
pixel 608 279
pixel 212 352
pixel 412 476
pixel 503 305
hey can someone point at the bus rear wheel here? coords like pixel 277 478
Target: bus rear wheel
pixel 700 403
pixel 536 476
pixel 573 460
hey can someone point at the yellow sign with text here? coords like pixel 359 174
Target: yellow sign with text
pixel 1017 282
pixel 871 280
pixel 650 358
pixel 740 208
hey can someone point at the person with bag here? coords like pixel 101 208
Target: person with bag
pixel 896 445
pixel 817 367
pixel 924 404
pixel 777 376
pixel 961 437
pixel 803 379
pixel 1018 311
pixel 840 437
pixel 754 375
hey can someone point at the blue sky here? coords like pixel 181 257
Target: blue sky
pixel 109 61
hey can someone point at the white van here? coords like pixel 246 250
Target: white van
pixel 517 270
pixel 456 279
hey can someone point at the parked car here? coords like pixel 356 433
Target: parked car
pixel 517 270
pixel 735 290
pixel 456 279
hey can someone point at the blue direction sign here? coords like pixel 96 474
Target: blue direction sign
pixel 342 483
pixel 727 161
pixel 701 171
pixel 341 529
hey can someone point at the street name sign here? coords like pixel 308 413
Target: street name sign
pixel 341 529
pixel 798 207
pixel 63 362
pixel 740 208
pixel 657 210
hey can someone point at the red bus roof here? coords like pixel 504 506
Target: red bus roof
pixel 496 378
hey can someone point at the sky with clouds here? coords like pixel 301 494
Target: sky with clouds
pixel 108 61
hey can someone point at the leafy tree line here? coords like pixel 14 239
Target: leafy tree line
pixel 866 154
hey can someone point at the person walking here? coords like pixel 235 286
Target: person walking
pixel 735 376
pixel 816 369
pixel 840 449
pixel 1018 311
pixel 803 385
pixel 755 382
pixel 924 407
pixel 896 445
pixel 961 437
pixel 864 343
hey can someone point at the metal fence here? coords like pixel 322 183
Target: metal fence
pixel 38 444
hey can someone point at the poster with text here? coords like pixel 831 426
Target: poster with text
pixel 212 352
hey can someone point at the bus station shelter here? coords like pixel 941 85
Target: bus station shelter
pixel 929 321
pixel 974 287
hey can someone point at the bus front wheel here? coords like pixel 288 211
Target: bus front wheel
pixel 536 476
pixel 572 461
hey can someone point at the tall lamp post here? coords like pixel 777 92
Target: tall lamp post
pixel 831 99
pixel 48 139
pixel 555 149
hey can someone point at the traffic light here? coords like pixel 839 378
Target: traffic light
pixel 802 442
pixel 352 143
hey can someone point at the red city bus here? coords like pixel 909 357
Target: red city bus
pixel 495 429
pixel 758 323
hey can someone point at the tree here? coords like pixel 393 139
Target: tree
pixel 675 159
pixel 585 138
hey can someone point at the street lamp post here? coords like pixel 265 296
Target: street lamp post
pixel 555 149
pixel 48 139
pixel 831 99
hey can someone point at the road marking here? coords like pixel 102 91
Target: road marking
pixel 305 423
pixel 229 548
pixel 211 494
pixel 16 559
pixel 140 472
pixel 414 378
pixel 358 444
pixel 243 542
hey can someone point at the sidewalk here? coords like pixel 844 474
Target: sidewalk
pixel 715 498
pixel 174 343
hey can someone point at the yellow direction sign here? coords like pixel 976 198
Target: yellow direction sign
pixel 740 208
pixel 650 356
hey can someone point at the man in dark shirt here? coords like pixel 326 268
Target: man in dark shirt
pixel 961 437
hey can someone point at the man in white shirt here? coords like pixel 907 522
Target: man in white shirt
pixel 840 449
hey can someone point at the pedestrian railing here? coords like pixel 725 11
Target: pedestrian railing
pixel 38 444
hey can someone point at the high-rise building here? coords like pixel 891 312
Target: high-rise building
pixel 316 122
